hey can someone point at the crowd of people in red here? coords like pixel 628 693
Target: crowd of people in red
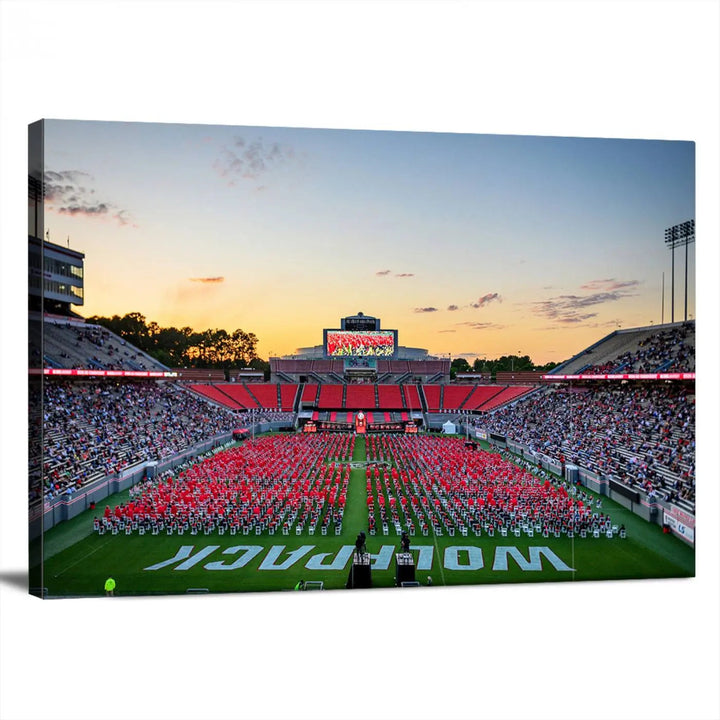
pixel 436 484
pixel 273 483
pixel 414 484
pixel 376 343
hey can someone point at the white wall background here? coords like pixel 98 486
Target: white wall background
pixel 614 69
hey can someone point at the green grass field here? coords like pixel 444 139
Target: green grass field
pixel 78 560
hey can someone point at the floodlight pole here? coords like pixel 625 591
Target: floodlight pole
pixel 686 259
pixel 662 302
pixel 672 292
pixel 684 233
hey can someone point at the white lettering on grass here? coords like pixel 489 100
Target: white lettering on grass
pixel 182 554
pixel 533 564
pixel 276 550
pixel 251 551
pixel 382 560
pixel 184 558
pixel 343 555
pixel 451 560
pixel 425 556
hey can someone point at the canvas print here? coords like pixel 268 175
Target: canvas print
pixel 295 359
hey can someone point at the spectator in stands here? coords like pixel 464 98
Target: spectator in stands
pixel 641 435
pixel 667 351
pixel 98 428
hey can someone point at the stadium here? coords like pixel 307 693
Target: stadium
pixel 352 464
pixel 175 477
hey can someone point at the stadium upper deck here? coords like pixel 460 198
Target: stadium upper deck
pixel 664 348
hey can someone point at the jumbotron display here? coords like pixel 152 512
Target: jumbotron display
pixel 355 343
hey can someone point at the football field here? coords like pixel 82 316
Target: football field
pixel 77 560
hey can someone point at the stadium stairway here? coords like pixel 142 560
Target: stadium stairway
pixel 251 394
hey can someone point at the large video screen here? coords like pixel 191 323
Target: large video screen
pixel 356 343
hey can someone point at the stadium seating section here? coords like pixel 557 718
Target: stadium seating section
pixel 360 397
pixel 642 435
pixel 331 396
pixel 389 397
pixel 647 350
pixel 78 345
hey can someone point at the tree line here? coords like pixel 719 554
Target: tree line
pixel 506 363
pixel 185 347
pixel 220 349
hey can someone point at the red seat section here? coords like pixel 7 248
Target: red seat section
pixel 432 395
pixel 309 394
pixel 349 417
pixel 455 396
pixel 240 394
pixel 287 397
pixel 369 417
pixel 266 395
pixel 212 393
pixel 508 394
pixel 389 397
pixel 330 396
pixel 360 397
pixel 481 395
pixel 412 398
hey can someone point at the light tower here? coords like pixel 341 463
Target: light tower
pixel 675 236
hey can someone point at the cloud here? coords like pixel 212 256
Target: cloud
pixel 385 273
pixel 425 310
pixel 485 299
pixel 569 323
pixel 447 331
pixel 251 159
pixel 451 308
pixel 481 325
pixel 69 192
pixel 565 308
pixel 197 289
pixel 610 285
pixel 571 318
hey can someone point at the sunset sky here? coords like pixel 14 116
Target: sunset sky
pixel 468 245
